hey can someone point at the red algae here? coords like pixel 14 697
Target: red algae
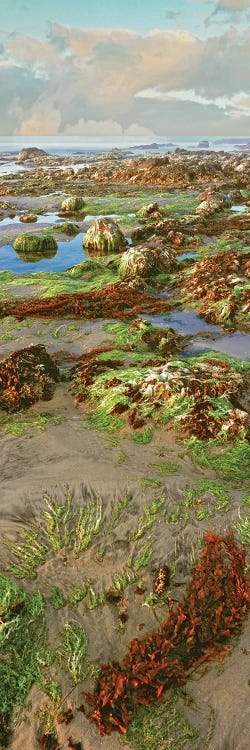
pixel 196 631
pixel 119 301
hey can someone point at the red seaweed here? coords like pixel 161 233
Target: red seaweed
pixel 196 631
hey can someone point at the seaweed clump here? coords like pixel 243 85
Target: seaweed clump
pixel 198 399
pixel 114 301
pixel 104 236
pixel 196 631
pixel 27 376
pixel 222 284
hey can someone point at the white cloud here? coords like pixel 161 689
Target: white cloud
pixel 84 82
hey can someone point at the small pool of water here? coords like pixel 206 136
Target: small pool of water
pixel 240 209
pixel 68 254
pixel 50 218
pixel 187 255
pixel 186 323
pixel 10 167
pixel 235 344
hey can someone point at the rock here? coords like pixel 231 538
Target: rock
pixel 103 237
pixel 236 196
pixel 203 144
pixel 28 218
pixel 72 204
pixel 151 210
pixel 27 154
pixel 27 376
pixel 214 202
pixel 42 245
pixel 145 260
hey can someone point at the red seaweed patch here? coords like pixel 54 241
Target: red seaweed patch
pixel 121 301
pixel 196 631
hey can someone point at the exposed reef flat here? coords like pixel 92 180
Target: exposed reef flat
pixel 124 428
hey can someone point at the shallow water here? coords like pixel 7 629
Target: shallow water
pixel 10 167
pixel 235 344
pixel 187 255
pixel 188 323
pixel 185 323
pixel 240 209
pixel 50 218
pixel 68 254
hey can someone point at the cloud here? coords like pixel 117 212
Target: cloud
pixel 84 81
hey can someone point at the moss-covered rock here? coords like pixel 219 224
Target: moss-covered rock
pixel 35 243
pixel 145 260
pixel 103 237
pixel 150 211
pixel 67 228
pixel 72 204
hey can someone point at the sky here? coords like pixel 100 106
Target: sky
pixel 124 67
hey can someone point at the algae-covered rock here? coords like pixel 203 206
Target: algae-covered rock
pixel 36 244
pixel 72 204
pixel 103 237
pixel 150 211
pixel 31 153
pixel 145 260
pixel 67 228
pixel 27 376
pixel 213 202
pixel 137 261
pixel 28 218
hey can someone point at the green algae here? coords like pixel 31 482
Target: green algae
pixel 230 461
pixel 24 645
pixel 162 726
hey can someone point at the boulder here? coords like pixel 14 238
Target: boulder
pixel 103 237
pixel 26 154
pixel 145 260
pixel 27 376
pixel 28 218
pixel 72 204
pixel 35 243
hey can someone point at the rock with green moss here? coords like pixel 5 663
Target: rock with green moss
pixel 103 237
pixel 67 228
pixel 150 211
pixel 72 204
pixel 137 261
pixel 35 244
pixel 145 260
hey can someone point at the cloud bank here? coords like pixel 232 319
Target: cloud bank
pixel 115 82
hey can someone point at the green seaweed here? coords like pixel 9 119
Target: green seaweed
pixel 162 727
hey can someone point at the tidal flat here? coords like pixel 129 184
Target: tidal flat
pixel 125 453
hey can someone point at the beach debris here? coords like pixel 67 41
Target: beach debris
pixel 196 631
pixel 27 376
pixel 103 237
